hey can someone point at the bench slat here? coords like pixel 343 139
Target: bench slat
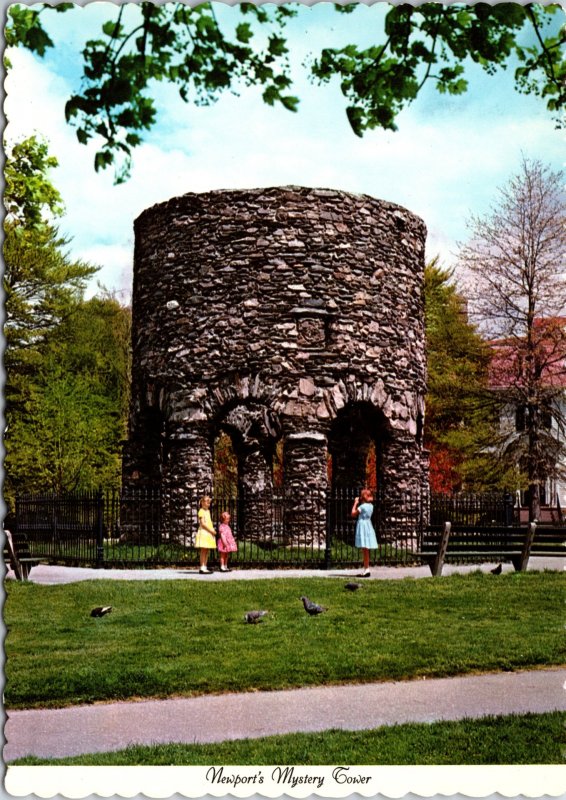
pixel 480 552
pixel 514 544
pixel 18 554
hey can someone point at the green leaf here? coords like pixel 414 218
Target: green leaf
pixel 355 116
pixel 112 29
pixel 37 40
pixel 71 109
pixel 277 45
pixel 270 95
pixel 291 103
pixel 103 159
pixel 244 32
pixel 119 91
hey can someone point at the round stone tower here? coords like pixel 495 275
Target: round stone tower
pixel 288 315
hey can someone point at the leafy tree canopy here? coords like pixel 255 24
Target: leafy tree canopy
pixel 459 419
pixel 40 280
pixel 515 260
pixel 67 359
pixel 67 429
pixel 29 194
pixel 188 47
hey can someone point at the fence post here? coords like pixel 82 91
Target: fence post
pixel 521 563
pixel 16 514
pixel 99 530
pixel 330 517
pixel 508 505
pixel 438 563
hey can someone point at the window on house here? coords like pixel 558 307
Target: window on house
pixel 521 418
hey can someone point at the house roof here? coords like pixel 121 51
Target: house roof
pixel 513 363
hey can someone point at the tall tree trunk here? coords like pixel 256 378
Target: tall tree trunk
pixel 534 501
pixel 533 465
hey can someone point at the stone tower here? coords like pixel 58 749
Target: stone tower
pixel 285 314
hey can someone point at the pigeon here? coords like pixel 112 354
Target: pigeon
pixel 100 611
pixel 253 617
pixel 352 586
pixel 497 570
pixel 312 608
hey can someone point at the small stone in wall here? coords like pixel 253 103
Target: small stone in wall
pixel 306 387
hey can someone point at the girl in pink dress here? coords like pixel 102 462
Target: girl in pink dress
pixel 226 542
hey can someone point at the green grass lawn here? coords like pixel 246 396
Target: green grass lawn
pixel 515 739
pixel 188 637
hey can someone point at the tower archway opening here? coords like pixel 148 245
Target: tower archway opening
pixel 356 445
pixel 225 466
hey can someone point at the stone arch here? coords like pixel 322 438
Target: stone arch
pixel 235 388
pixel 253 429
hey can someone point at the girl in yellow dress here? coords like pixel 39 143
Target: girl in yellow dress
pixel 206 535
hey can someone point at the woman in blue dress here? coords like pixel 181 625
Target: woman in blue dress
pixel 365 534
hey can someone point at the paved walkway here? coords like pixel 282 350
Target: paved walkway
pixel 52 575
pixel 112 726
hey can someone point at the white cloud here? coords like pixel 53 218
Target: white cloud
pixel 115 273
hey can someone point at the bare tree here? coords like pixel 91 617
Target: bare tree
pixel 516 270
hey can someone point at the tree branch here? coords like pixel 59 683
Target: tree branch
pixel 532 17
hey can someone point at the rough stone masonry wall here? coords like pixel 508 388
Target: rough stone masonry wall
pixel 270 313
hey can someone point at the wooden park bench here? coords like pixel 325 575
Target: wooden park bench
pixel 549 542
pixel 469 543
pixel 18 555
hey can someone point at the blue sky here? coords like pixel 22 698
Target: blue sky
pixel 444 163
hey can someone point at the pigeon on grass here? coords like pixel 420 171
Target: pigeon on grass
pixel 498 570
pixel 253 617
pixel 352 586
pixel 312 608
pixel 100 611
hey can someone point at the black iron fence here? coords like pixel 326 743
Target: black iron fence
pixel 486 509
pixel 143 529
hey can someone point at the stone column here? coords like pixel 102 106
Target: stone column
pixel 403 464
pixel 306 482
pixel 405 484
pixel 256 487
pixel 188 475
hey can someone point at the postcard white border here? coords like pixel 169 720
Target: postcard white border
pixel 273 781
